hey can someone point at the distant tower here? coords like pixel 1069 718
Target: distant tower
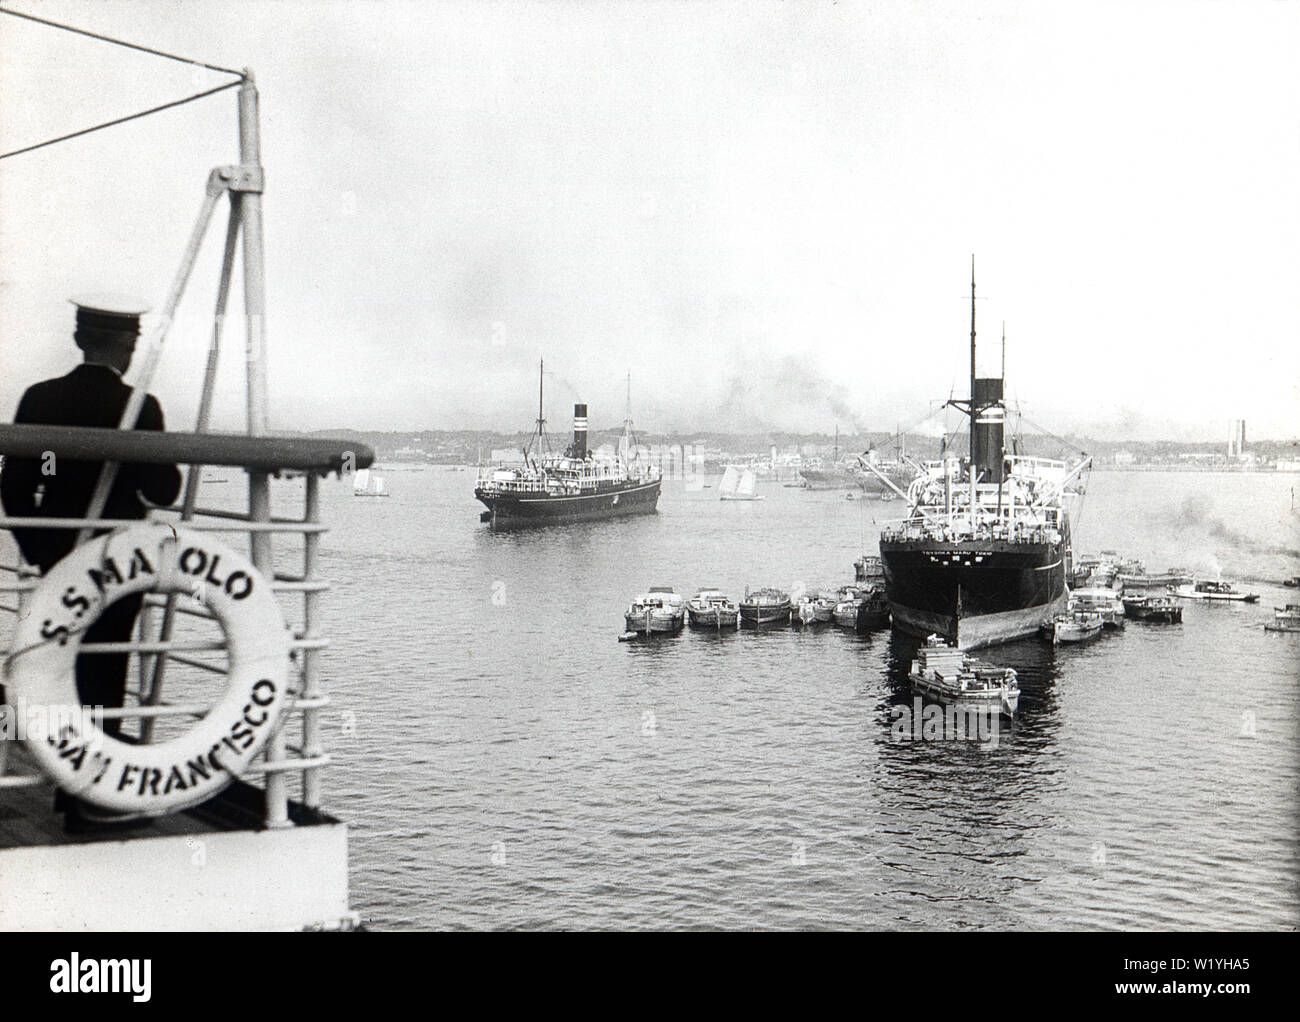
pixel 1237 438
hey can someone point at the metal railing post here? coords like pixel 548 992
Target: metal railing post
pixel 311 723
pixel 259 483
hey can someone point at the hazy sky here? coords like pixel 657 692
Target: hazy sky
pixel 765 212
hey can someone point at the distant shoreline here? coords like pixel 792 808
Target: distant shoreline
pixel 1217 469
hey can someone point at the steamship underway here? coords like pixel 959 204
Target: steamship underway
pixel 984 552
pixel 576 485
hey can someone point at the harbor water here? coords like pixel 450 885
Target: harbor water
pixel 505 762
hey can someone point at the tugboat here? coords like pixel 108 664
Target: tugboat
pixel 1215 591
pixel 984 553
pixel 712 608
pixel 571 487
pixel 1154 608
pixel 764 607
pixel 660 610
pixel 1285 619
pixel 945 673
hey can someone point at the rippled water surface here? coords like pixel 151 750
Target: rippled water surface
pixel 505 762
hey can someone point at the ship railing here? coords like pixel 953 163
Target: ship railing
pixel 512 485
pixel 296 751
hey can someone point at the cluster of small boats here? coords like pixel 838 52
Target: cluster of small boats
pixel 1115 588
pixel 860 605
pixel 1110 570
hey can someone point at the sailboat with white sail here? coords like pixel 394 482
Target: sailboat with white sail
pixel 738 484
pixel 368 484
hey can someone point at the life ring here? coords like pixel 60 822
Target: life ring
pixel 40 672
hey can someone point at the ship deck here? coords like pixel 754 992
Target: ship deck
pixel 27 816
pixel 213 867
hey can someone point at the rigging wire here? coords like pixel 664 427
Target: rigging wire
pixel 121 42
pixel 1047 432
pixel 120 120
pixel 239 79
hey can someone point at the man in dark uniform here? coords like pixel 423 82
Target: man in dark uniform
pixel 93 394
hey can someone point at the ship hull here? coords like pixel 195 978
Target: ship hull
pixel 974 593
pixel 861 479
pixel 654 623
pixel 823 479
pixel 523 510
pixel 713 618
pixel 998 700
pixel 758 617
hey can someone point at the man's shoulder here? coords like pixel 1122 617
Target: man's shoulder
pixel 40 395
pixel 54 383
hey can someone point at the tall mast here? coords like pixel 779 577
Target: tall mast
pixel 973 411
pixel 1002 455
pixel 541 364
pixel 627 423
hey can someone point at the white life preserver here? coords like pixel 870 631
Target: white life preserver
pixel 40 672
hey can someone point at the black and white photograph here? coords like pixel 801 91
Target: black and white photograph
pixel 651 466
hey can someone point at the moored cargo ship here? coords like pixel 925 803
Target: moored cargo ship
pixel 984 552
pixel 574 486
